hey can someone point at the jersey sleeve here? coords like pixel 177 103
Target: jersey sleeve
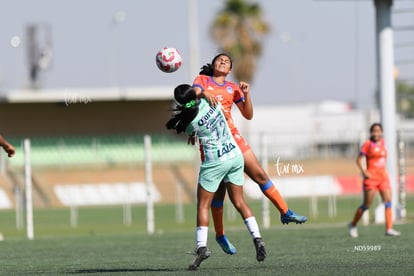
pixel 364 148
pixel 199 82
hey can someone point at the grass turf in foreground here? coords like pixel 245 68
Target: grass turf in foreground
pixel 292 250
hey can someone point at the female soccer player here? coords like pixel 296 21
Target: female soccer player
pixel 7 147
pixel 222 161
pixel 211 84
pixel 375 178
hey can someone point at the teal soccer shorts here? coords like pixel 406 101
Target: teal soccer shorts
pixel 213 173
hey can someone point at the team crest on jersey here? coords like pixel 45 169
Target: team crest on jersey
pixel 229 89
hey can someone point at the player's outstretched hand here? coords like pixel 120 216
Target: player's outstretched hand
pixel 244 87
pixel 9 149
pixel 191 140
pixel 212 100
pixel 366 174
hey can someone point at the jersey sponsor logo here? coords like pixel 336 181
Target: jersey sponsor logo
pixel 210 88
pixel 229 89
pixel 206 117
pixel 225 149
pixel 208 141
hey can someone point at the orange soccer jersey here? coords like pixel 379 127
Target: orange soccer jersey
pixel 375 154
pixel 227 94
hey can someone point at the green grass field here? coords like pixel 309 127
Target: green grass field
pixel 102 245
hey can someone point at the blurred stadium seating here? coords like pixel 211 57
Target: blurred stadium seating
pixel 102 150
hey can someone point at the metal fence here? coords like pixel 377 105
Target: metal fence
pixel 59 154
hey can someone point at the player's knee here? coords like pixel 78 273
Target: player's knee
pixel 257 174
pixel 364 207
pixel 203 206
pixel 387 204
pixel 261 177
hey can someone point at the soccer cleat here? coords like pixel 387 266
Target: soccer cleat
pixel 226 245
pixel 392 233
pixel 290 216
pixel 260 249
pixel 353 231
pixel 201 254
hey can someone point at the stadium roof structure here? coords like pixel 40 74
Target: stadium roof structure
pixel 152 93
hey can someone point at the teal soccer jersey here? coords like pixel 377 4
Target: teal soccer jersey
pixel 221 158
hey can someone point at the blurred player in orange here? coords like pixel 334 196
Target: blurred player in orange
pixel 375 178
pixel 7 147
pixel 211 84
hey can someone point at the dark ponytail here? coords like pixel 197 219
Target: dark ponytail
pixel 207 70
pixel 186 109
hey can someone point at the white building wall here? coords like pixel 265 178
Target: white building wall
pixel 299 129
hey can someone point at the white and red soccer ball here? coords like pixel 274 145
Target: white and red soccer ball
pixel 168 59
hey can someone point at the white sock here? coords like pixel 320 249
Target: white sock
pixel 201 236
pixel 253 227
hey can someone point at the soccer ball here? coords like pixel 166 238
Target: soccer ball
pixel 168 59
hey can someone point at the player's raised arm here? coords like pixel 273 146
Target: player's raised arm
pixel 360 164
pixel 212 100
pixel 246 106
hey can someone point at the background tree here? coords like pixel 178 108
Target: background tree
pixel 239 30
pixel 405 99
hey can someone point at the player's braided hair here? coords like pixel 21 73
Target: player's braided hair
pixel 186 109
pixel 208 69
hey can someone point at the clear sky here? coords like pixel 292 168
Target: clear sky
pixel 316 50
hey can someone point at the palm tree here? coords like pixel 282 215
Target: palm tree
pixel 238 29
